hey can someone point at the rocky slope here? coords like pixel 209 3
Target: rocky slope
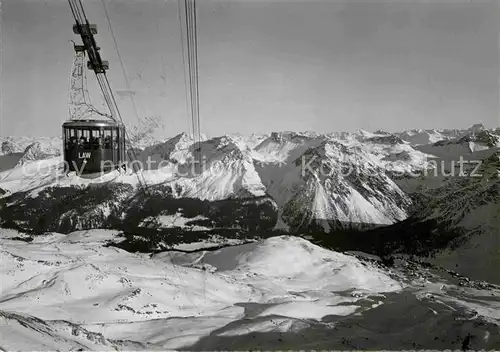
pixel 10 145
pixel 119 206
pixel 470 208
pixel 325 183
pixel 454 224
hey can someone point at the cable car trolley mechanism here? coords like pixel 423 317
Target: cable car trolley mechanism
pixel 94 142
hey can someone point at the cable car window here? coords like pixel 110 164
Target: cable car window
pixel 101 138
pixel 82 138
pixel 79 136
pixel 117 138
pixel 66 138
pixel 72 136
pixel 86 134
pixel 113 139
pixel 97 138
pixel 93 139
pixel 107 139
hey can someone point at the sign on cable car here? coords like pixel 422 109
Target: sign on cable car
pixel 84 155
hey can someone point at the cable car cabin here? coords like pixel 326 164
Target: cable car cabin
pixel 94 146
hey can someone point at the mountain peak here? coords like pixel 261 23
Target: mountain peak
pixel 476 128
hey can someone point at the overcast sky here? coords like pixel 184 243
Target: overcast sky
pixel 264 65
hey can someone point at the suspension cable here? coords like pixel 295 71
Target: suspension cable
pixel 186 88
pixel 195 30
pixel 191 83
pixel 192 67
pixel 189 57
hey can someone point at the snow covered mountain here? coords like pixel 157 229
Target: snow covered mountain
pixel 431 136
pixel 230 170
pixel 10 145
pixel 419 136
pixel 325 182
pixel 77 291
pixel 464 145
pixel 339 180
pixel 224 171
pixel 38 151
